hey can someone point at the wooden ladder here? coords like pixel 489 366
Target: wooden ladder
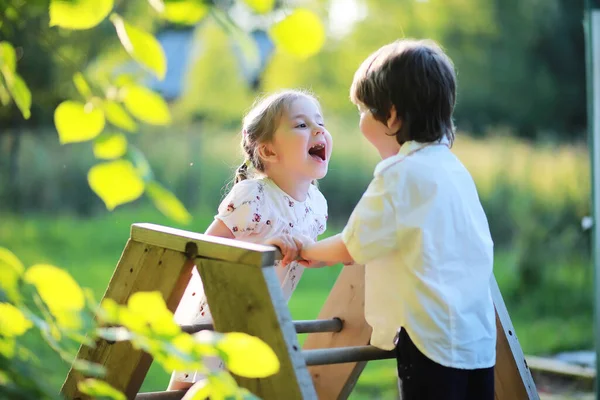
pixel 158 258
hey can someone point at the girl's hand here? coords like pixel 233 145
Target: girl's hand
pixel 290 247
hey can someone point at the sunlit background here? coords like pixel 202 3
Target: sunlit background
pixel 521 118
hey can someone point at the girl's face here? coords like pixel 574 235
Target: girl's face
pixel 301 144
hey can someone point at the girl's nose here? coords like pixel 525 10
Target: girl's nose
pixel 318 130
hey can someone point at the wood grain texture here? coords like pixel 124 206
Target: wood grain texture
pixel 248 299
pixel 142 267
pixel 347 302
pixel 208 247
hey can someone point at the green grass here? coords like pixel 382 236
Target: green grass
pixel 90 248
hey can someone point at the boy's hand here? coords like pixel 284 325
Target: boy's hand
pixel 290 247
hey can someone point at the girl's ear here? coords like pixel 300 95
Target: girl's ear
pixel 267 154
pixel 394 123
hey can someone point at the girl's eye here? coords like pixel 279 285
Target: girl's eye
pixel 303 125
pixel 322 124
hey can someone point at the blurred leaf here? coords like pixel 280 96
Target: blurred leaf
pixel 116 182
pixel 152 308
pixel 186 12
pixel 147 106
pixel 114 334
pixel 158 5
pixel 248 356
pixel 300 34
pixel 141 163
pixel 78 14
pixel 76 122
pixel 59 291
pixel 89 368
pixel 261 6
pixel 200 390
pixel 12 321
pixel 116 115
pixel 11 270
pixel 8 57
pixel 142 46
pixel 167 203
pixel 110 146
pixel 82 86
pixel 20 93
pixel 7 346
pixel 99 390
pixel 4 95
pixel 222 385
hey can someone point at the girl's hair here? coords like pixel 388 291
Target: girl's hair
pixel 259 126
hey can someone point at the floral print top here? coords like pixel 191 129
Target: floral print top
pixel 256 210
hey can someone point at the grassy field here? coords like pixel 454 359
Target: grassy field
pixel 534 197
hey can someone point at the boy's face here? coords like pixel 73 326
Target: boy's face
pixel 379 134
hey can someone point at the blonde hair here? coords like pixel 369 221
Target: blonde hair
pixel 259 126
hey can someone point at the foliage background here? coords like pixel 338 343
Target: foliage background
pixel 520 114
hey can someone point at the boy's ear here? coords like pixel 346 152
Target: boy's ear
pixel 394 123
pixel 267 153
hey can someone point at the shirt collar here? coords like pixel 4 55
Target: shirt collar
pixel 406 150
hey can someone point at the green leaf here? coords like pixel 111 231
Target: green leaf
pixel 82 86
pixel 89 368
pixel 116 115
pixel 142 46
pixel 300 34
pixel 185 12
pixel 59 291
pixel 261 6
pixel 110 146
pixel 77 122
pixel 12 321
pixel 248 356
pixel 142 165
pixel 99 390
pixel 11 269
pixel 20 94
pixel 114 334
pixel 145 105
pixel 4 95
pixel 167 203
pixel 79 14
pixel 116 182
pixel 8 57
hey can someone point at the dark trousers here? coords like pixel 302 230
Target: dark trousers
pixel 423 379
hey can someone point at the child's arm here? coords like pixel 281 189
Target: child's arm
pixel 328 251
pixel 218 228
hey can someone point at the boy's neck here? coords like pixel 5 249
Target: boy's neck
pixel 389 150
pixel 297 189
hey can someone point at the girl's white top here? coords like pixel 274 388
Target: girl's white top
pixel 424 238
pixel 256 210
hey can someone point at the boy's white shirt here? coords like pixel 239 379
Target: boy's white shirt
pixel 423 235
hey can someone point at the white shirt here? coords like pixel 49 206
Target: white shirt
pixel 256 210
pixel 424 238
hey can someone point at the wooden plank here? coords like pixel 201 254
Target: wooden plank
pixel 249 299
pixel 557 367
pixel 210 247
pixel 513 379
pixel 142 267
pixel 347 302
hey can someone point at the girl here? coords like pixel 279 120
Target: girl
pixel 286 148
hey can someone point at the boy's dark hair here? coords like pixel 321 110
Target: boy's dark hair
pixel 415 77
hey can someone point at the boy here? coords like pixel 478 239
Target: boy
pixel 420 230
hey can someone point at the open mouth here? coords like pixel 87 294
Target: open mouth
pixel 318 152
